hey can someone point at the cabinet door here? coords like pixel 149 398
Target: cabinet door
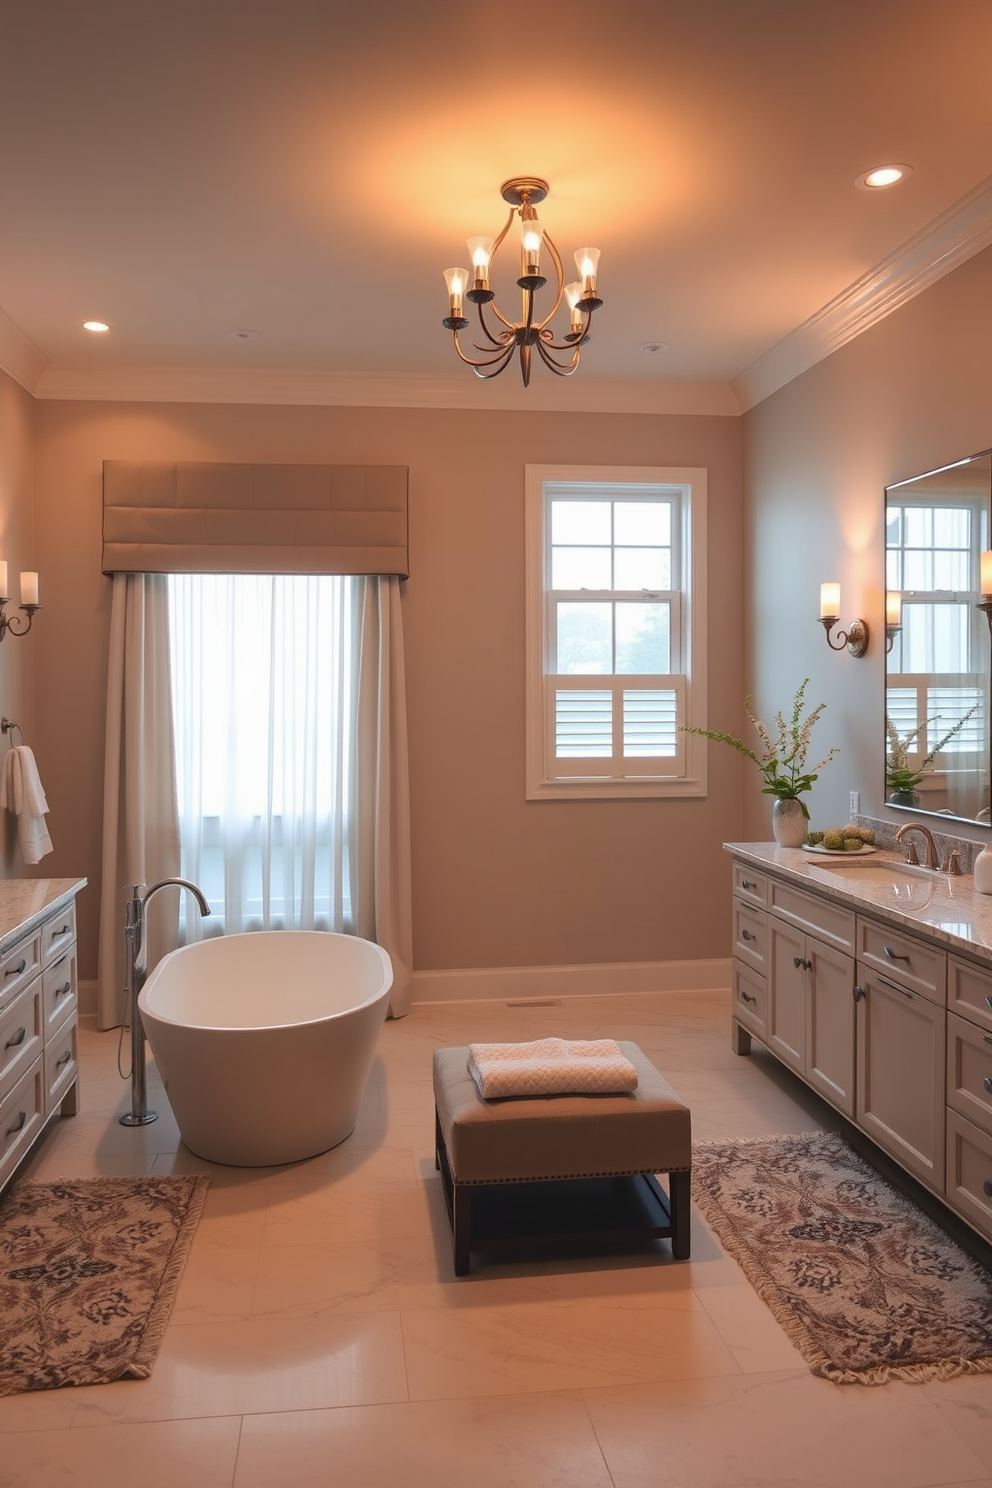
pixel 786 1008
pixel 830 1024
pixel 901 1076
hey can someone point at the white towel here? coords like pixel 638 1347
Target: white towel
pixel 551 1066
pixel 21 792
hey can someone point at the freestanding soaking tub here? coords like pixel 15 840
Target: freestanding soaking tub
pixel 265 1041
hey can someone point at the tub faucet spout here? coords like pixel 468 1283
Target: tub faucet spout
pixel 135 935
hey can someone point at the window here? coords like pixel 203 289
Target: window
pixel 264 678
pixel 615 614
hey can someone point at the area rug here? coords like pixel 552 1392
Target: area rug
pixel 867 1287
pixel 89 1270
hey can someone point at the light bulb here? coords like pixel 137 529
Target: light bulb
pixel 481 252
pixel 531 235
pixel 829 601
pixel 893 607
pixel 587 263
pixel 573 294
pixel 456 280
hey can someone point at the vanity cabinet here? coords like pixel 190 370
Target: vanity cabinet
pixel 39 995
pixel 969 1092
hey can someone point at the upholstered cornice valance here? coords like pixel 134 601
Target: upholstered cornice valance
pixel 192 517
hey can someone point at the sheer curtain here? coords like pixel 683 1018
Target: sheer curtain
pixel 288 714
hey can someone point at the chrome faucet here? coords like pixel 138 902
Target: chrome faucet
pixel 135 935
pixel 911 855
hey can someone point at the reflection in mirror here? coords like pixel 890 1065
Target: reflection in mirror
pixel 938 641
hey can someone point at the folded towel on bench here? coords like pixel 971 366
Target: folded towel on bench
pixel 551 1066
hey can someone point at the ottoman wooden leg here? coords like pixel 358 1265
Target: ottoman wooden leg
pixel 679 1198
pixel 461 1228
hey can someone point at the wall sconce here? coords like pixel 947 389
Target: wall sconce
pixel 986 603
pixel 855 638
pixel 893 617
pixel 29 602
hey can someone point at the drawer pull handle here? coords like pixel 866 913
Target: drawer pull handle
pixel 17 1040
pixel 798 961
pixel 988 1000
pixel 16 970
pixel 18 1125
pixel 894 955
pixel 987 1186
pixel 746 997
pixel 61 991
pixel 859 993
pixel 64 931
pixel 64 1060
pixel 746 935
pixel 746 883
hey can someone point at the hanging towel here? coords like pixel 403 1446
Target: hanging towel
pixel 551 1066
pixel 21 792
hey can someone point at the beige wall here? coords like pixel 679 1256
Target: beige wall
pixel 912 393
pixel 498 881
pixel 17 657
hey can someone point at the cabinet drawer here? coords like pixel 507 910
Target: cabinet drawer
pixel 22 1116
pixel 827 921
pixel 18 966
pixel 969 1071
pixel 968 1186
pixel 750 934
pixel 904 960
pixel 61 1063
pixel 59 991
pixel 969 991
pixel 749 998
pixel 58 933
pixel 750 884
pixel 20 1036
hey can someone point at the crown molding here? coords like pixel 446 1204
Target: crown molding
pixel 19 357
pixel 937 249
pixel 358 390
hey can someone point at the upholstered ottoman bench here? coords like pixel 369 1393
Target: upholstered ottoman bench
pixel 560 1170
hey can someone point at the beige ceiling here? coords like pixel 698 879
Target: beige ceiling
pixel 187 168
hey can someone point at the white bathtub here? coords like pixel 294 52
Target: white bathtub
pixel 265 1041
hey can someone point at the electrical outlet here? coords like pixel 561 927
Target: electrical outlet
pixel 855 805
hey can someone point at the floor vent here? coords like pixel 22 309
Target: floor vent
pixel 535 1002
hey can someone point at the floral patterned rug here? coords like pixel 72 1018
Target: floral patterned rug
pixel 867 1287
pixel 89 1270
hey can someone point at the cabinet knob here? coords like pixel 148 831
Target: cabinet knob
pixel 747 884
pixel 859 993
pixel 797 961
pixel 746 935
pixel 746 997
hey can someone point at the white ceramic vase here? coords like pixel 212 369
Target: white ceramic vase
pixel 789 822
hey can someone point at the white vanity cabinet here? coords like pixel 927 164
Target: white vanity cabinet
pixel 891 1026
pixel 39 1065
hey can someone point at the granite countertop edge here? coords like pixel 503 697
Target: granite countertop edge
pixel 952 911
pixel 26 902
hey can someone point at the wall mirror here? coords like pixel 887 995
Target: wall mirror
pixel 937 660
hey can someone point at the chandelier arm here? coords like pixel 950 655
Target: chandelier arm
pixel 548 338
pixel 554 366
pixel 492 258
pixel 499 340
pixel 556 260
pixel 486 361
pixel 504 362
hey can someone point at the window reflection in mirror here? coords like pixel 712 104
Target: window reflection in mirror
pixel 937 662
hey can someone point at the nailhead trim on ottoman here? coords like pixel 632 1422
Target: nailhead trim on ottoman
pixel 542 1140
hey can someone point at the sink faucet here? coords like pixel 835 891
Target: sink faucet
pixel 135 932
pixel 911 857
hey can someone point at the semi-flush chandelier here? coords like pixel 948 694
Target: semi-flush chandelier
pixel 523 192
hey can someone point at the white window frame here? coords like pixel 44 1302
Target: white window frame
pixel 544 780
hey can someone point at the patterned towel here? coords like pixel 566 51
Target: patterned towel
pixel 551 1066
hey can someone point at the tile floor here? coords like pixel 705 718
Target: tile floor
pixel 321 1338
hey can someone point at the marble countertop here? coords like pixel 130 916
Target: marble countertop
pixel 941 908
pixel 25 902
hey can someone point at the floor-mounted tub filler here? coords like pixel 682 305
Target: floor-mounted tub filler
pixel 265 1041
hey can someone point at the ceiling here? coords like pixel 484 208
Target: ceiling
pixel 304 169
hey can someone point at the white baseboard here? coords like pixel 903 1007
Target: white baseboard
pixel 501 983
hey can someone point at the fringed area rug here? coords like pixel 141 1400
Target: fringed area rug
pixel 867 1287
pixel 89 1270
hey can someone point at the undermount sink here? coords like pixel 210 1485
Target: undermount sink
pixel 908 883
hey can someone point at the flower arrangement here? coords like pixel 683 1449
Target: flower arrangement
pixel 782 759
pixel 900 775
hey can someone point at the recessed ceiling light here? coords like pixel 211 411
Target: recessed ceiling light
pixel 881 176
pixel 651 346
pixel 98 327
pixel 245 335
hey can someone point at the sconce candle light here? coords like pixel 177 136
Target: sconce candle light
pixel 893 617
pixel 855 638
pixel 986 601
pixel 29 602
